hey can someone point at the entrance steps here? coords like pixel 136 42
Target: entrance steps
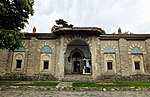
pixel 64 84
pixel 77 77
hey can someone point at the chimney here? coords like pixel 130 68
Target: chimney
pixel 34 30
pixel 119 31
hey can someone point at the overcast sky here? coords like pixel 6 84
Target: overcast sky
pixel 129 15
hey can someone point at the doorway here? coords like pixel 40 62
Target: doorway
pixel 76 67
pixel 76 61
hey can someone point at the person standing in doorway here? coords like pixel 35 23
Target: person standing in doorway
pixel 78 67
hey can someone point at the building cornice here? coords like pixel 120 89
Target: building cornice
pixel 125 36
pixel 40 36
pixel 78 30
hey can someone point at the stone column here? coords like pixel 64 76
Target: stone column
pixel 31 58
pixel 147 61
pixel 9 62
pixel 94 64
pixel 118 66
pixel 60 54
pixel 123 49
pixel 4 65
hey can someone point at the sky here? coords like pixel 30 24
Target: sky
pixel 109 15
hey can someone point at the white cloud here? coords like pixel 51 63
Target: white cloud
pixel 130 15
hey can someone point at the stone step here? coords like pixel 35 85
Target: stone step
pixel 64 84
pixel 82 78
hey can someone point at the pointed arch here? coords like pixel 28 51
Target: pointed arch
pixel 69 39
pixel 46 49
pixel 19 56
pixel 109 49
pixel 21 49
pixel 77 52
pixel 136 50
pixel 46 44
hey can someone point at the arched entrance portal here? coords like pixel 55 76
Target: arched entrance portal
pixel 77 58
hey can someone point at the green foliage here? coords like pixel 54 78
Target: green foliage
pixel 28 83
pixel 127 32
pixel 113 33
pixel 111 84
pixel 10 39
pixel 14 15
pixel 63 23
pixel 103 31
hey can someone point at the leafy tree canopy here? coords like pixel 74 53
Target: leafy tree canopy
pixel 103 31
pixel 63 23
pixel 13 17
pixel 127 32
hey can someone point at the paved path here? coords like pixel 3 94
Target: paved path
pixel 64 84
pixel 37 93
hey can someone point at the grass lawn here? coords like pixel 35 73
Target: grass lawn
pixel 27 83
pixel 111 84
pixel 76 84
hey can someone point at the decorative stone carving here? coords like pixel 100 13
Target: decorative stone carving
pixel 70 38
pixel 46 44
pixel 109 45
pixel 138 46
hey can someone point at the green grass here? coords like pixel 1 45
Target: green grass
pixel 111 84
pixel 27 83
pixel 76 84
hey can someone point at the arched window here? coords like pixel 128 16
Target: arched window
pixel 137 60
pixel 45 59
pixel 46 49
pixel 109 49
pixel 21 49
pixel 18 59
pixel 110 59
pixel 136 50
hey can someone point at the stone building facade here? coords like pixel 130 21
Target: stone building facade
pixel 79 53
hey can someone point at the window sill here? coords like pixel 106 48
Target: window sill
pixel 110 72
pixel 138 72
pixel 17 70
pixel 45 70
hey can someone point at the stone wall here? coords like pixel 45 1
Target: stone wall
pixel 3 61
pixel 25 77
pixel 32 64
pixel 123 54
pixel 124 64
pixel 137 77
pixel 31 67
pixel 101 56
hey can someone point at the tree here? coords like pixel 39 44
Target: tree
pixel 127 32
pixel 113 33
pixel 63 23
pixel 14 15
pixel 103 31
